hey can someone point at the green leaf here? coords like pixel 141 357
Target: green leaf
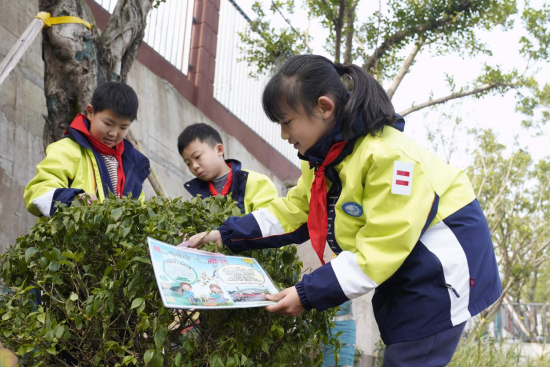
pixel 177 360
pixel 160 335
pixel 116 213
pixel 136 303
pixel 29 252
pixel 41 317
pixel 158 358
pixel 73 296
pixel 59 331
pixel 148 355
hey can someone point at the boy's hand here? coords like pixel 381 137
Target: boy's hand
pixel 87 197
pixel 205 237
pixel 289 302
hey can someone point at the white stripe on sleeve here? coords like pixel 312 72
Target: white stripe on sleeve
pixel 268 223
pixel 44 203
pixel 352 279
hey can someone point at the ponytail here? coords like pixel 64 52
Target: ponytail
pixel 303 79
pixel 368 98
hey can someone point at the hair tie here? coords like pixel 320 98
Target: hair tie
pixel 340 69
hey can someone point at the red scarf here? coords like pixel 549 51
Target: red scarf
pixel 317 221
pixel 226 187
pixel 78 124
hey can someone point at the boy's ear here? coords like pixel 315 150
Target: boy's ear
pixel 326 107
pixel 89 111
pixel 220 149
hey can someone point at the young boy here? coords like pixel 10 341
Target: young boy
pixel 202 150
pixel 93 159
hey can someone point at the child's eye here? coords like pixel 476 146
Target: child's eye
pixel 197 157
pixel 287 122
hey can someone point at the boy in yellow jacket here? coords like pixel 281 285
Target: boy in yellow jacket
pixel 93 159
pixel 202 149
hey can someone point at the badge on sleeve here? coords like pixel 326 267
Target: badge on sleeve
pixel 353 209
pixel 402 178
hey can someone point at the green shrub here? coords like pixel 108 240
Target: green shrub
pixel 101 304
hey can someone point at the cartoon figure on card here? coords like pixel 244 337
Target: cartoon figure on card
pixel 185 290
pixel 216 294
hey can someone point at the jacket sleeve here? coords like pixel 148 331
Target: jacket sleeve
pixel 399 203
pixel 51 183
pixel 259 192
pixel 282 222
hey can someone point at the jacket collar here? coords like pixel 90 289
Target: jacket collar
pixel 197 186
pixel 317 153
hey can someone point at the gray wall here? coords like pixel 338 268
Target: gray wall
pixel 162 115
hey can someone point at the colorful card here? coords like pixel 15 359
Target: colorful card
pixel 189 278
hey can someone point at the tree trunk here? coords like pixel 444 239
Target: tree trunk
pixel 338 27
pixel 70 65
pixel 350 20
pixel 77 59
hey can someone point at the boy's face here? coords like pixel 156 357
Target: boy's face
pixel 107 127
pixel 204 161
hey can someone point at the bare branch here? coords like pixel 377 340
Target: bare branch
pixel 433 102
pixel 404 68
pixel 419 29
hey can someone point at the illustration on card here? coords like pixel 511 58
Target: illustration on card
pixel 189 278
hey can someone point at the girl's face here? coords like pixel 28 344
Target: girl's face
pixel 304 131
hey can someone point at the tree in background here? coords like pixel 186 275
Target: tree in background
pixel 387 43
pixel 77 59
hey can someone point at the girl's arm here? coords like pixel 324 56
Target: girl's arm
pixel 282 222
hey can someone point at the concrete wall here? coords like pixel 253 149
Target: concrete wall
pixel 162 115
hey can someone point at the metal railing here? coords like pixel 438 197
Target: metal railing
pixel 235 89
pixel 526 322
pixel 168 30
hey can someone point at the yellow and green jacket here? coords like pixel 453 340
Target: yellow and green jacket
pixel 402 222
pixel 72 167
pixel 251 190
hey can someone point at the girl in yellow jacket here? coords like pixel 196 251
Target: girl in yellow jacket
pixel 403 223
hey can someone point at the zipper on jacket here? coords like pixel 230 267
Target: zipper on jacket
pixel 452 289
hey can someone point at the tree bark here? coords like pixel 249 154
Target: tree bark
pixel 77 59
pixel 338 27
pixel 70 59
pixel 350 30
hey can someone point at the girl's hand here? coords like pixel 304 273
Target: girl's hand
pixel 289 302
pixel 205 237
pixel 87 198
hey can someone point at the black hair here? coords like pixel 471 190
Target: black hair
pixel 201 131
pixel 304 78
pixel 117 97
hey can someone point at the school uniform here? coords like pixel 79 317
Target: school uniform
pixel 251 190
pixel 403 223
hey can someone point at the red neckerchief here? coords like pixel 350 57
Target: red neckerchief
pixel 78 124
pixel 317 220
pixel 226 187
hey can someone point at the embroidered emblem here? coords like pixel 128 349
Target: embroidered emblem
pixel 353 209
pixel 402 178
pixel 472 282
